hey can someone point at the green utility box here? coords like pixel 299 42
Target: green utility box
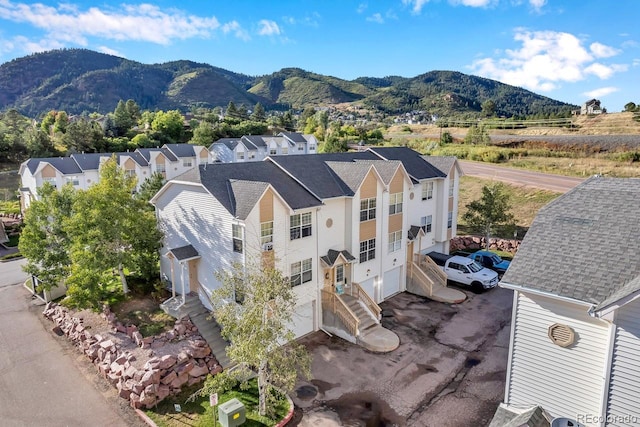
pixel 231 413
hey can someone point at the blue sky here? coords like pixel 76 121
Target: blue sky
pixel 568 50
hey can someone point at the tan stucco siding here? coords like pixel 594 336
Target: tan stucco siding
pixel 395 222
pixel 48 172
pixel 266 206
pixel 368 230
pixel 369 187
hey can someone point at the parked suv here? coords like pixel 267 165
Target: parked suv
pixel 490 260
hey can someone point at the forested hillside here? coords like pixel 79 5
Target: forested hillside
pixel 78 80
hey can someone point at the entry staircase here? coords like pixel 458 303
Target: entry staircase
pixel 356 313
pixel 426 278
pixel 201 318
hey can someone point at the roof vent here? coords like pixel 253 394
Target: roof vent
pixel 561 335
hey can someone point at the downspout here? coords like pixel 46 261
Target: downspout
pixel 317 262
pixel 606 375
pixel 182 280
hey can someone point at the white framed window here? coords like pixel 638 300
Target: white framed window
pixel 240 155
pixel 187 163
pixel 130 172
pixel 301 272
pixel 73 180
pixel 160 168
pixel 450 220
pixel 236 233
pixel 273 152
pixel 427 190
pixel 312 148
pixel 367 209
pixel 285 150
pixel 395 241
pixel 426 222
pixel 300 147
pixel 251 155
pixel 266 232
pixel 452 184
pixel 367 250
pixel 340 273
pixel 300 226
pixel 395 203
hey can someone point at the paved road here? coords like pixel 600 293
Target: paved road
pixel 544 181
pixel 40 385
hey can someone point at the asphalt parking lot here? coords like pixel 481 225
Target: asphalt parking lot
pixel 448 371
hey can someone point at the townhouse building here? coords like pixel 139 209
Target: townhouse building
pixel 82 169
pixel 251 148
pixel 342 227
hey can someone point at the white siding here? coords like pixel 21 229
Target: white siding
pixel 623 406
pixel 190 215
pixel 564 381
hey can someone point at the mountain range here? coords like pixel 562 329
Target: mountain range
pixel 80 80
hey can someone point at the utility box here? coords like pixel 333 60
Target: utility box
pixel 231 413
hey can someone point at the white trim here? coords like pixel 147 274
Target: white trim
pixel 167 184
pixel 510 356
pixel 543 293
pixel 607 372
pixel 615 305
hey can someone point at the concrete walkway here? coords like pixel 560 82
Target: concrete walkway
pixel 40 381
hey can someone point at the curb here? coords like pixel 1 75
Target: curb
pixel 289 415
pixel 146 418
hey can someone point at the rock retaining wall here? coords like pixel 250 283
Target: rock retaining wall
pixel 157 378
pixel 461 243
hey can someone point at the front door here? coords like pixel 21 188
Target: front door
pixel 339 280
pixel 193 276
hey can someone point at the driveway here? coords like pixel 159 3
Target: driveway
pixel 42 378
pixel 448 371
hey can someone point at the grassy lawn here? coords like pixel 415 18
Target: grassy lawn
pixel 582 166
pixel 200 414
pixel 525 203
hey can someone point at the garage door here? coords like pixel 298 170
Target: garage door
pixel 391 283
pixel 302 320
pixel 369 287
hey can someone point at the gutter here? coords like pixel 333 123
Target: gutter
pixel 547 294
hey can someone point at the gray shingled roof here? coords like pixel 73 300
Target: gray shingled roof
pixel 138 158
pixel 217 179
pixel 314 173
pixel 417 167
pixel 332 255
pixel 414 231
pixel 255 140
pixel 230 143
pixel 64 165
pixel 350 173
pixel 181 150
pixel 442 163
pixel 584 245
pixel 246 194
pixel 184 252
pixel 293 136
pixel 386 168
pixel 146 153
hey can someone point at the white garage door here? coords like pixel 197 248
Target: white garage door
pixel 391 283
pixel 369 287
pixel 303 319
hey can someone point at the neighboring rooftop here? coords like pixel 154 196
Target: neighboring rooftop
pixel 585 244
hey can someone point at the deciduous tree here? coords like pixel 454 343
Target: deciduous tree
pixel 490 211
pixel 257 328
pixel 44 240
pixel 113 232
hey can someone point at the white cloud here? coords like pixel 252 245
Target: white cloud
pixel 600 50
pixel 26 45
pixel 636 62
pixel 361 8
pixel 143 22
pixel 236 29
pixel 268 28
pixel 603 91
pixel 376 17
pixel 109 51
pixel 537 4
pixel 604 71
pixel 544 60
pixel 472 3
pixel 416 5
